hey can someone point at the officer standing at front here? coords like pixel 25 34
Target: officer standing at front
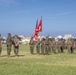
pixel 9 44
pixel 16 45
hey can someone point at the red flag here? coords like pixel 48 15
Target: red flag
pixel 40 26
pixel 36 31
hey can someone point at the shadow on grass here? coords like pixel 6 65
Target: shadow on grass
pixel 12 56
pixel 41 54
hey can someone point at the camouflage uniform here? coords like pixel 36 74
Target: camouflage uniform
pixel 0 45
pixel 9 44
pixel 74 45
pixel 59 46
pixel 42 46
pixel 47 45
pixel 16 45
pixel 38 46
pixel 65 45
pixel 53 46
pixel 70 45
pixel 31 45
pixel 62 46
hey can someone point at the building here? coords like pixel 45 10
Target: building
pixel 67 36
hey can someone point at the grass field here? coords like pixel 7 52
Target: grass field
pixel 27 64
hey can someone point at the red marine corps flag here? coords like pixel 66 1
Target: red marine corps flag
pixel 38 29
pixel 40 25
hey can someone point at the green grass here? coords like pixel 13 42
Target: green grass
pixel 27 64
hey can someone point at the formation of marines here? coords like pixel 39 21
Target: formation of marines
pixel 43 46
pixel 46 46
pixel 9 42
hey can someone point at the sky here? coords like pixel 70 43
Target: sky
pixel 19 17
